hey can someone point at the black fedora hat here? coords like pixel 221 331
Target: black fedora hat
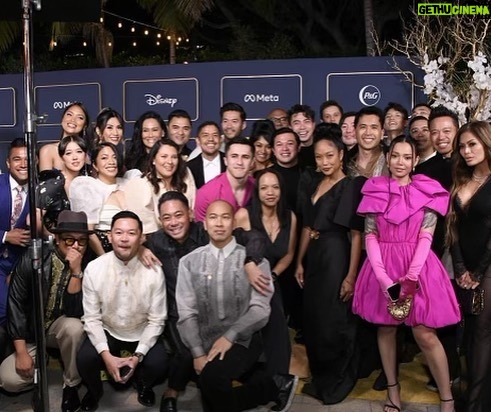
pixel 69 221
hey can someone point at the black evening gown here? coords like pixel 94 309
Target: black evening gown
pixel 473 253
pixel 329 325
pixel 276 338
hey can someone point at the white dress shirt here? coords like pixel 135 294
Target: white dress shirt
pixel 211 168
pixel 128 301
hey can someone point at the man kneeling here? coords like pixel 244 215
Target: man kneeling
pixel 220 316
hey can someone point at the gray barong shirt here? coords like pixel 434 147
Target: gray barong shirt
pixel 215 299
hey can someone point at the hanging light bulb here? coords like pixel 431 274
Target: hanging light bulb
pixel 158 43
pixel 168 37
pixel 110 44
pixel 85 44
pixel 159 35
pixel 134 44
pixel 101 19
pixel 132 29
pixel 146 32
pixel 120 25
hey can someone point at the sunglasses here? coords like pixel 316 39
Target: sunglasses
pixel 70 241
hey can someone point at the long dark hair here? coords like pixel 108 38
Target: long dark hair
pixel 101 122
pixel 136 155
pixel 119 157
pixel 402 139
pixel 178 177
pixel 86 114
pixel 461 173
pixel 256 211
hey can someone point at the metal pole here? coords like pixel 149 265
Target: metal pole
pixel 41 396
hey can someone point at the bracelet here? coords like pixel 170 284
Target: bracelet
pixel 139 356
pixel 274 275
pixel 78 276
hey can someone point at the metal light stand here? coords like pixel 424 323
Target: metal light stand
pixel 41 396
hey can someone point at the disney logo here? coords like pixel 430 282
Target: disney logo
pixel 153 100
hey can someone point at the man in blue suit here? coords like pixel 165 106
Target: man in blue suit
pixel 14 235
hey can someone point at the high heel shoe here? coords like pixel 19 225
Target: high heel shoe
pixel 390 403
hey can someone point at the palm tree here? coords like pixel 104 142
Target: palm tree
pixel 176 17
pixel 9 32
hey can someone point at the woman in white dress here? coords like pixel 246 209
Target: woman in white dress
pixel 165 171
pixel 101 197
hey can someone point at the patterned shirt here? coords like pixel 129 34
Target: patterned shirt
pixel 214 298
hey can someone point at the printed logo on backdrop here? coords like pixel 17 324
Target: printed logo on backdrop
pixel 160 95
pixel 159 99
pixel 355 90
pixel 369 95
pixel 54 99
pixel 7 103
pixel 260 94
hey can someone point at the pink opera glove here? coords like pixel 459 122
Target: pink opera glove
pixel 375 258
pixel 409 282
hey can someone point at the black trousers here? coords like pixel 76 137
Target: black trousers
pixel 216 378
pixel 478 331
pixel 181 368
pixel 6 346
pixel 89 363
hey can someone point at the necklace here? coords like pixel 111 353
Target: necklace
pixel 273 224
pixel 479 179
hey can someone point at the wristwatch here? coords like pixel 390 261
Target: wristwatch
pixel 139 356
pixel 78 276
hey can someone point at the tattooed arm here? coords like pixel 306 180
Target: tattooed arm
pixel 423 246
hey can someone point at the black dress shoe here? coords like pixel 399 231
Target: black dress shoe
pixel 380 383
pixel 146 396
pixel 89 402
pixel 168 405
pixel 287 385
pixel 70 401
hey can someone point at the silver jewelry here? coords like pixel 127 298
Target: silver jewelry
pixel 479 179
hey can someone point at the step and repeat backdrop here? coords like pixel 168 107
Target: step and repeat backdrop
pixel 201 88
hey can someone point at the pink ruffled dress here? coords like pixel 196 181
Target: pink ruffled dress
pixel 399 212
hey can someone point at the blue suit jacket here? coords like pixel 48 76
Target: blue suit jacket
pixel 13 252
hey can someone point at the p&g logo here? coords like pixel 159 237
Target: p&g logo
pixel 256 98
pixel 369 95
pixel 152 100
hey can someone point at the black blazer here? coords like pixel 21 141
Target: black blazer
pixel 196 167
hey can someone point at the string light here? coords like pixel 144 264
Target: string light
pixel 101 19
pixel 110 44
pixel 85 44
pixel 146 32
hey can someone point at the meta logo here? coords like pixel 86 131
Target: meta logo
pixel 369 95
pixel 61 105
pixel 255 98
pixel 153 100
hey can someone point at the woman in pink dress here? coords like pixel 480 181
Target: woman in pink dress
pixel 400 217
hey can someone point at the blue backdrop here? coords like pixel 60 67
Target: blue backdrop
pixel 201 88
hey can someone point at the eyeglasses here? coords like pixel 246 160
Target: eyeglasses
pixel 70 241
pixel 278 119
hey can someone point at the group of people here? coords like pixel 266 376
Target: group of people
pixel 180 264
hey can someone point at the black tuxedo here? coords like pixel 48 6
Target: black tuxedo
pixel 196 167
